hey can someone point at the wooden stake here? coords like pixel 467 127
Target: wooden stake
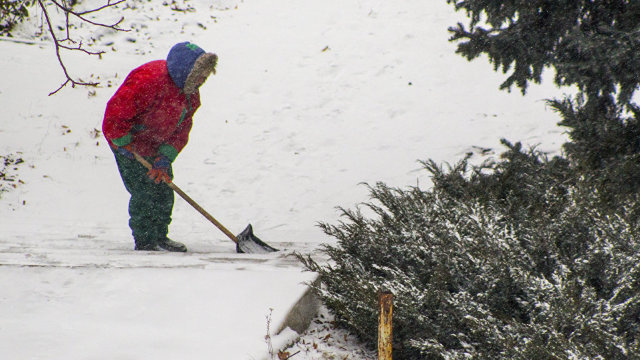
pixel 385 333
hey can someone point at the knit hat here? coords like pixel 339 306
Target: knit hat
pixel 180 61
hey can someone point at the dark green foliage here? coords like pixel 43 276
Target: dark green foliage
pixel 590 44
pixel 12 12
pixel 526 257
pixel 504 261
pixel 604 147
pixel 509 182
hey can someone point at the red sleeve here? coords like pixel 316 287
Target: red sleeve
pixel 133 97
pixel 178 140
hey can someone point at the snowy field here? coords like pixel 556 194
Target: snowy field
pixel 311 99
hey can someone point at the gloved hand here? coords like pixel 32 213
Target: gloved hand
pixel 126 151
pixel 159 170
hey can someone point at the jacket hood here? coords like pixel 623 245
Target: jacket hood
pixel 180 61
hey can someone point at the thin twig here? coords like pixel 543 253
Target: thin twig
pixel 79 15
pixel 267 337
pixel 59 42
pixel 292 355
pixel 80 48
pixel 57 45
pixel 109 4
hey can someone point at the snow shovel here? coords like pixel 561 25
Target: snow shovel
pixel 246 241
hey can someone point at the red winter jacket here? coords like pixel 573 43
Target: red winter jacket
pixel 150 112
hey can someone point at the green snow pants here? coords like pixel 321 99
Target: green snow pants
pixel 150 205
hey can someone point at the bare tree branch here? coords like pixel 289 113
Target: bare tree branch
pixel 80 16
pixel 59 43
pixel 109 4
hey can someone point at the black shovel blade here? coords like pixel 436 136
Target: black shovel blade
pixel 250 244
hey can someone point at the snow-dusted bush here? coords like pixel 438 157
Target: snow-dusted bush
pixel 506 261
pixel 528 257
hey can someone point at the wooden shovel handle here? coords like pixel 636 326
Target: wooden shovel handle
pixel 191 202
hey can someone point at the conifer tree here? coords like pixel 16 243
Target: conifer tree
pixel 592 46
pixel 525 257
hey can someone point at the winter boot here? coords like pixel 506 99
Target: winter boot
pixel 147 247
pixel 171 245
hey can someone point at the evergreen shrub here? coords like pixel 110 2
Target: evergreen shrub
pixel 526 257
pixel 507 260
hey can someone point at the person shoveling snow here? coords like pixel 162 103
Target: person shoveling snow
pixel 151 115
pixel 147 124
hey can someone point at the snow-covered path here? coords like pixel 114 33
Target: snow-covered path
pixel 143 312
pixel 311 99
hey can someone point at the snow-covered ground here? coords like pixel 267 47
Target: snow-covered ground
pixel 311 99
